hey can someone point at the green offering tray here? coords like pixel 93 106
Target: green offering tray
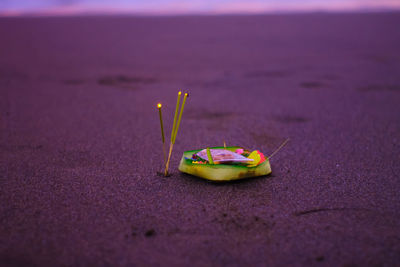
pixel 222 172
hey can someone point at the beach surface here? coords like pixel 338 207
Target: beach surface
pixel 80 141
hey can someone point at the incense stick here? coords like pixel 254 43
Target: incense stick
pixel 169 158
pixel 279 148
pixel 171 144
pixel 175 116
pixel 162 132
pixel 180 117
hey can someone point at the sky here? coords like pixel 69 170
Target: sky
pixel 154 7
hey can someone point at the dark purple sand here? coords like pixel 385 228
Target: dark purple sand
pixel 80 140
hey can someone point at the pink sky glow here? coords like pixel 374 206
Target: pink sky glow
pixel 179 7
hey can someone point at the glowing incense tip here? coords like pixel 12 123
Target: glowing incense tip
pixel 161 122
pixel 179 93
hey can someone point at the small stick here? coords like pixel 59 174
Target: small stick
pixel 210 159
pixel 171 144
pixel 279 148
pixel 224 144
pixel 169 157
pixel 180 117
pixel 162 132
pixel 175 116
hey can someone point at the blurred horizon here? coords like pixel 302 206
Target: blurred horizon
pixel 187 7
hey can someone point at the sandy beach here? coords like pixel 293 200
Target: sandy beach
pixel 80 143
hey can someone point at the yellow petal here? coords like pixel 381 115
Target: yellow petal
pixel 256 157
